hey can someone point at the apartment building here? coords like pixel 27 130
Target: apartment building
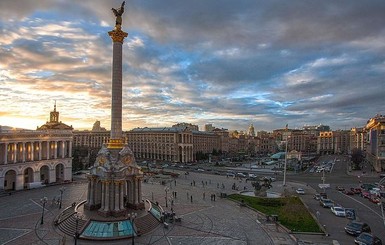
pixel 375 149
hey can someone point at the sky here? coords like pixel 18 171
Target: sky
pixel 225 62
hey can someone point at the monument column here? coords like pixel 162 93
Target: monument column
pixel 116 136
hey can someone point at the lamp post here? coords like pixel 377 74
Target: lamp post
pixel 43 201
pixel 62 189
pixel 284 168
pixel 132 219
pixel 166 190
pixel 77 218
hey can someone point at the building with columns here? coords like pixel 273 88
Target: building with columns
pixel 36 156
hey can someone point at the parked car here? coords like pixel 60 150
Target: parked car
pixel 251 175
pixel 242 175
pixel 300 191
pixel 338 211
pixel 229 174
pixel 365 194
pixel 317 196
pixel 367 239
pixel 355 228
pixel 356 190
pixel 323 195
pixel 374 199
pixel 348 192
pixel 326 203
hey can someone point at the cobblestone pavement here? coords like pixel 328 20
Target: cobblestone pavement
pixel 203 220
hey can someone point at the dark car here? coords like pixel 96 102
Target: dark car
pixel 367 239
pixel 326 203
pixel 355 228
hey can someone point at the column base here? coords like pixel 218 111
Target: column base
pixel 136 206
pixel 91 206
pixel 114 213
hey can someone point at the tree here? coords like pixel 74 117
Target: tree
pixel 357 157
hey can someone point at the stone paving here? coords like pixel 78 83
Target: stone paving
pixel 203 220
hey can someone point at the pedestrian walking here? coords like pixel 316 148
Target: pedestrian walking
pixel 191 198
pixel 204 195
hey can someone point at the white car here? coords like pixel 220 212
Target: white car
pixel 338 211
pixel 300 191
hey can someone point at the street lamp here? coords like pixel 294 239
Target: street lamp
pixel 43 201
pixel 77 218
pixel 132 219
pixel 284 169
pixel 62 189
pixel 166 189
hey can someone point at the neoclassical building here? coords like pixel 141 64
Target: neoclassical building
pixel 33 156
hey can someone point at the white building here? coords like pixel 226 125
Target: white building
pixel 36 156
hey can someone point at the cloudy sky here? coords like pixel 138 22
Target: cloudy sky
pixel 225 62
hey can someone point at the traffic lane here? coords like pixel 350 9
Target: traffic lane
pixel 333 225
pixel 366 211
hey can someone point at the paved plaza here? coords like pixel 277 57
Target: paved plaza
pixel 203 220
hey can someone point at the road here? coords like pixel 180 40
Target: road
pixel 366 211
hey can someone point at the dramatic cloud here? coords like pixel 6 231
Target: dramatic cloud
pixel 230 63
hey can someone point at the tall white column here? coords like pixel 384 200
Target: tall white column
pixel 14 152
pixel 32 151
pixel 107 199
pixel 6 153
pixel 103 195
pixel 55 147
pixel 116 195
pixel 39 150
pixel 63 149
pixel 48 149
pixel 23 151
pixel 121 196
pixel 92 191
pixel 70 149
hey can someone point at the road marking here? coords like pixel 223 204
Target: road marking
pixel 379 215
pixel 335 242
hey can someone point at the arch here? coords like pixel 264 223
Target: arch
pixel 44 174
pixel 59 172
pixel 28 176
pixel 10 180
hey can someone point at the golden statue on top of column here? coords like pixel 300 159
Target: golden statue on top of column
pixel 118 14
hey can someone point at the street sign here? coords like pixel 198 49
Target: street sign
pixel 324 186
pixel 350 213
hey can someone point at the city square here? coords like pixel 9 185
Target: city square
pixel 160 184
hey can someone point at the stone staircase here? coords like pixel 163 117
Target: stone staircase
pixel 68 225
pixel 146 224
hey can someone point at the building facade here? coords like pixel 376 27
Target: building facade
pixel 36 156
pixel 375 149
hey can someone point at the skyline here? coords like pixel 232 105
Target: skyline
pixel 230 64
